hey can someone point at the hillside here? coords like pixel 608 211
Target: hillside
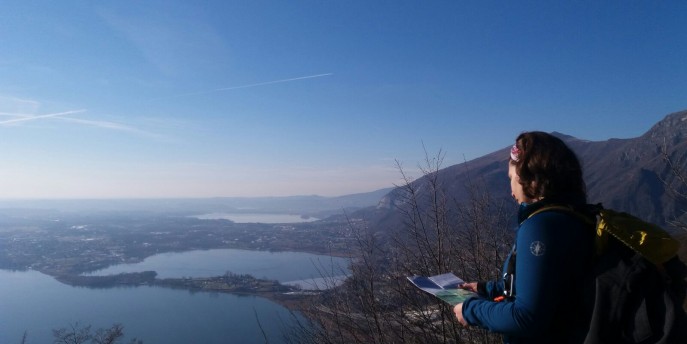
pixel 626 174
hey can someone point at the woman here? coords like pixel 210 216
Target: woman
pixel 540 298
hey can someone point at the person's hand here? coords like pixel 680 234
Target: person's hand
pixel 458 310
pixel 472 286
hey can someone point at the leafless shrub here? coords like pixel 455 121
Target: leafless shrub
pixel 377 304
pixel 76 334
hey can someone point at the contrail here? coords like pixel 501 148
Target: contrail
pixel 273 82
pixel 100 124
pixel 249 85
pixel 108 125
pixel 31 118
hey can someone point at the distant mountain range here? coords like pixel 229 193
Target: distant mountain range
pixel 311 205
pixel 625 174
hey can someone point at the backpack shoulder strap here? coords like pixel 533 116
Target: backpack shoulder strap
pixel 565 209
pixel 647 239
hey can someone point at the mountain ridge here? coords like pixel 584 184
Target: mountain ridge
pixel 630 175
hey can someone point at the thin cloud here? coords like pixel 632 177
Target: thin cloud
pixel 26 118
pixel 59 115
pixel 108 125
pixel 249 85
pixel 18 103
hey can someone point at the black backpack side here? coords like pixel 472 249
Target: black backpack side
pixel 636 301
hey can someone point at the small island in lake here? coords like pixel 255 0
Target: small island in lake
pixel 228 283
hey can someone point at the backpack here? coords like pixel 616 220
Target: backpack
pixel 639 282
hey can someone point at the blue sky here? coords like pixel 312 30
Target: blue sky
pixel 155 99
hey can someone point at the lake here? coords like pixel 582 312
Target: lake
pixel 256 217
pixel 36 303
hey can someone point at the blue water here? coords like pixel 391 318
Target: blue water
pixel 281 266
pixel 36 303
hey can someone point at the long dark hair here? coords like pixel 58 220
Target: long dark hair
pixel 548 168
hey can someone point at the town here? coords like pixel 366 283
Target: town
pixel 70 244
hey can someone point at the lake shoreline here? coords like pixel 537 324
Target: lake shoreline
pixel 289 294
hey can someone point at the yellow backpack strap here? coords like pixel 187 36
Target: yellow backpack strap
pixel 564 209
pixel 647 239
pixel 552 207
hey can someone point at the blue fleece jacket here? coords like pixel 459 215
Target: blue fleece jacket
pixel 553 256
